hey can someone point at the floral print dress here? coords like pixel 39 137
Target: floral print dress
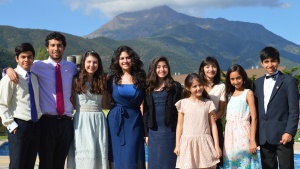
pixel 236 153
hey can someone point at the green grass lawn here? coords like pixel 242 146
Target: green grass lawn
pixel 3 137
pixel 297 136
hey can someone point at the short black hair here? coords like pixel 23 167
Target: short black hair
pixel 269 52
pixel 24 47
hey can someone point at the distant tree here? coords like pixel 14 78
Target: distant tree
pixel 252 79
pixel 41 54
pixel 234 61
pixel 223 77
pixel 292 72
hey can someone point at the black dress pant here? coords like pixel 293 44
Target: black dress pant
pixel 285 154
pixel 56 137
pixel 221 140
pixel 23 145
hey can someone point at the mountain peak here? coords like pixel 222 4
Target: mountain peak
pixel 139 24
pixel 163 8
pixel 161 12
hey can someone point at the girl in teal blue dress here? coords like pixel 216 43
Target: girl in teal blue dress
pixel 240 129
pixel 90 146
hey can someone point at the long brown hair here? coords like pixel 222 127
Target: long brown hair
pixel 137 72
pixel 98 83
pixel 246 82
pixel 152 78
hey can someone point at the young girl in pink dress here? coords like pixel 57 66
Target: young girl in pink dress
pixel 240 145
pixel 197 143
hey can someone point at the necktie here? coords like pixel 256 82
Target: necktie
pixel 32 101
pixel 60 107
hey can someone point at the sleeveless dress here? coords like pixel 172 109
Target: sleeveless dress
pixel 197 148
pixel 236 151
pixel 126 128
pixel 90 146
pixel 162 139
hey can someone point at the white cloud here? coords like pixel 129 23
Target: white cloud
pixel 74 4
pixel 110 8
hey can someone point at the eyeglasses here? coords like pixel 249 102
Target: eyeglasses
pixel 91 52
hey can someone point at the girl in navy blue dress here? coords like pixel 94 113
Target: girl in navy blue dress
pixel 160 114
pixel 125 120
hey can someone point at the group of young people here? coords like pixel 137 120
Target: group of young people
pixel 180 124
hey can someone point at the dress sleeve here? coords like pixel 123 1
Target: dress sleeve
pixel 222 92
pixel 212 106
pixel 179 106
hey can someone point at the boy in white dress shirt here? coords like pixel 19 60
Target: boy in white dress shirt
pixel 20 110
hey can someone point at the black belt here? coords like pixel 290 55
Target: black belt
pixel 56 117
pixel 29 121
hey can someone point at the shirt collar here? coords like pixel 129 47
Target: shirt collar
pixel 21 71
pixel 52 62
pixel 272 73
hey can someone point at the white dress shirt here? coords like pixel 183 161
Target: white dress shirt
pixel 15 99
pixel 268 88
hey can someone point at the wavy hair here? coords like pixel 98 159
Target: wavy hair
pixel 57 36
pixel 229 89
pixel 137 72
pixel 188 83
pixel 98 83
pixel 209 60
pixel 152 78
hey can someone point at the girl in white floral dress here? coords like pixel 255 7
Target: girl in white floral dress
pixel 240 145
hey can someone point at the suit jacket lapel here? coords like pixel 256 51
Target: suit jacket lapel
pixel 260 92
pixel 277 86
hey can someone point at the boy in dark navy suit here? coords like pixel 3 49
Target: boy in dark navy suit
pixel 278 112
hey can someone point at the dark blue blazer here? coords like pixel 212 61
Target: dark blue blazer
pixel 282 112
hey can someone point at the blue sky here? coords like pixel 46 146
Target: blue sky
pixel 81 17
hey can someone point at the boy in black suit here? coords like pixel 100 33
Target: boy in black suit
pixel 278 112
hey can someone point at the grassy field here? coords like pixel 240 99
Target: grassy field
pixel 297 136
pixel 3 137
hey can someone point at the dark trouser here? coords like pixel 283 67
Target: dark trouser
pixel 221 140
pixel 23 145
pixel 56 137
pixel 285 154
